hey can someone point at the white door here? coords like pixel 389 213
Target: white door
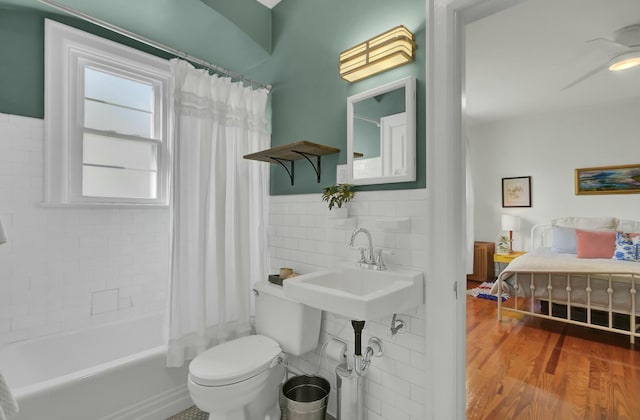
pixel 393 144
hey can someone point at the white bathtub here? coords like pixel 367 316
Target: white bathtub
pixel 110 372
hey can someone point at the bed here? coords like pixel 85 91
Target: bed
pixel 580 270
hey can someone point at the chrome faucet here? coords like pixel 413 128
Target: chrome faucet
pixel 366 256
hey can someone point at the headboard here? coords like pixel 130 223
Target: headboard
pixel 541 236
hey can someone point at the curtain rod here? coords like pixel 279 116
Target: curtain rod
pixel 153 43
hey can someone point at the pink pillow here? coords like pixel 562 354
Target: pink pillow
pixel 595 243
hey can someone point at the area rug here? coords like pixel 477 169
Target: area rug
pixel 484 292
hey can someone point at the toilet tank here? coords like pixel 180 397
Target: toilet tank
pixel 296 327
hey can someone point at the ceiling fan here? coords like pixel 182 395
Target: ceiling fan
pixel 624 52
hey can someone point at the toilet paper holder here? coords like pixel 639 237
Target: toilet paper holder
pixel 336 349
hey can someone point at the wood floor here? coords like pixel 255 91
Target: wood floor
pixel 530 368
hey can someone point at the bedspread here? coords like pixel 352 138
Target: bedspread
pixel 544 261
pixel 549 279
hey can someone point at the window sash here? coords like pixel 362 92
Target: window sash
pixel 78 170
pixel 118 156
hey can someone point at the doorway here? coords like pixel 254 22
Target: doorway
pixel 533 107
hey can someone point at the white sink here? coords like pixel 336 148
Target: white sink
pixel 356 293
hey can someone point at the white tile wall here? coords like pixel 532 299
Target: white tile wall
pixel 58 258
pixel 303 237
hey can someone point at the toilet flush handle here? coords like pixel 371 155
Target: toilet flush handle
pixel 280 359
pixel 255 292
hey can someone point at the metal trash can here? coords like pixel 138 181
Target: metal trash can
pixel 306 397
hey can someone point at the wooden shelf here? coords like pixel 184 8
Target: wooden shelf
pixel 292 152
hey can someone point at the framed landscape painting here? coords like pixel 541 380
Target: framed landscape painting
pixel 623 179
pixel 516 191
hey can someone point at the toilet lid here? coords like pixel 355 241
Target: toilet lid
pixel 234 361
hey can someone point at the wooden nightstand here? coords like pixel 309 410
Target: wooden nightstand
pixel 483 268
pixel 501 260
pixel 507 258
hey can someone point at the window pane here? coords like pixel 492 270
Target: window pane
pixel 108 117
pixel 109 151
pixel 117 90
pixel 118 183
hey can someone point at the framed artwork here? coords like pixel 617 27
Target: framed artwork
pixel 623 179
pixel 516 191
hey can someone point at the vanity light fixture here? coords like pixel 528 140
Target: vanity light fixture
pixel 382 52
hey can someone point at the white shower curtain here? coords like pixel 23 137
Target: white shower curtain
pixel 219 210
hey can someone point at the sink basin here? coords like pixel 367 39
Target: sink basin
pixel 357 293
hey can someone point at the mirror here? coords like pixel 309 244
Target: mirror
pixel 381 134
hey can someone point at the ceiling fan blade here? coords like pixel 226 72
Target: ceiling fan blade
pixel 608 45
pixel 587 75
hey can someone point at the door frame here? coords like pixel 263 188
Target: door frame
pixel 445 300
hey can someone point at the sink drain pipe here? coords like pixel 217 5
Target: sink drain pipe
pixel 350 379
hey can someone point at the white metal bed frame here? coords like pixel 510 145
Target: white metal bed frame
pixel 540 238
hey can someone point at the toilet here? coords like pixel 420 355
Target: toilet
pixel 240 379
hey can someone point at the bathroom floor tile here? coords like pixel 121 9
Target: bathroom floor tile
pixel 193 413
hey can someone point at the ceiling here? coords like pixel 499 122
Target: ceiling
pixel 518 60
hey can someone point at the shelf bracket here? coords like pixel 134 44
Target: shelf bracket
pixel 292 152
pixel 315 167
pixel 280 161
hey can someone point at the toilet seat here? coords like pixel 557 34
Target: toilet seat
pixel 234 361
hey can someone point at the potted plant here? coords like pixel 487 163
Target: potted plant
pixel 338 196
pixel 503 245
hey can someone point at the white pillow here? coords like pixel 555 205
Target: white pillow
pixel 592 223
pixel 563 239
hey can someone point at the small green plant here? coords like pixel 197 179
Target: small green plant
pixel 503 244
pixel 337 195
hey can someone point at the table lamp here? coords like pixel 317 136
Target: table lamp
pixel 510 223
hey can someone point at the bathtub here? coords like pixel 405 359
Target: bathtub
pixel 112 372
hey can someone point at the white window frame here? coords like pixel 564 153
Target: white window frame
pixel 67 52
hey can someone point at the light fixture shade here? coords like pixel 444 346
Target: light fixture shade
pixel 510 222
pixel 625 61
pixel 382 52
pixel 3 235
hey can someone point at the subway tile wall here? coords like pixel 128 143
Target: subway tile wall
pixel 303 236
pixel 68 268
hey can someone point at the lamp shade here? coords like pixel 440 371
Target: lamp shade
pixel 3 235
pixel 510 222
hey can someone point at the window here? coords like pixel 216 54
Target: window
pixel 107 121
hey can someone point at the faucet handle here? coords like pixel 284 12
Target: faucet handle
pixel 362 258
pixel 379 262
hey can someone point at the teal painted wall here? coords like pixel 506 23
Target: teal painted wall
pixel 21 69
pixel 189 26
pixel 22 76
pixel 309 99
pixel 251 16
